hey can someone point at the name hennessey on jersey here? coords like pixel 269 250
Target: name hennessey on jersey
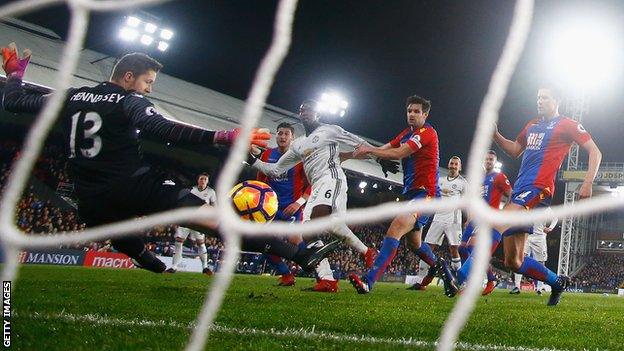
pixel 95 98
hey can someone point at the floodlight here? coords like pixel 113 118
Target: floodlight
pixel 133 21
pixel 128 34
pixel 333 104
pixel 583 53
pixel 162 46
pixel 146 39
pixel 362 191
pixel 363 184
pixel 375 186
pixel 166 34
pixel 150 28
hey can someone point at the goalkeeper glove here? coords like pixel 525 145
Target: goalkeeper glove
pixel 13 65
pixel 259 136
pixel 388 166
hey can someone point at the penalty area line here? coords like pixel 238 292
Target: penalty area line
pixel 305 333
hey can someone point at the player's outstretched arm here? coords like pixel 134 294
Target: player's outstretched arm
pixel 389 154
pixel 144 116
pixel 272 170
pixel 511 148
pixel 14 97
pixel 595 156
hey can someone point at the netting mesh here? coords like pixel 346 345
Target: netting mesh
pixel 231 226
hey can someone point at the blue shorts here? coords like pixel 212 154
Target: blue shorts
pixel 296 217
pixel 414 195
pixel 531 197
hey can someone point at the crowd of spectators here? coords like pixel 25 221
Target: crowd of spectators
pixel 603 270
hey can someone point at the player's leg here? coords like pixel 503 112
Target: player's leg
pixel 400 226
pixel 540 253
pixel 464 271
pixel 528 266
pixel 200 241
pixel 433 238
pixel 181 234
pixel 453 236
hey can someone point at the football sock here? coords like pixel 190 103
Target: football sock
pixel 426 254
pixel 491 277
pixel 387 252
pixel 423 270
pixel 203 255
pixel 467 233
pixel 464 252
pixel 517 280
pixel 351 239
pixel 323 270
pixel 177 256
pixel 456 263
pixel 278 264
pixel 533 269
pixel 463 272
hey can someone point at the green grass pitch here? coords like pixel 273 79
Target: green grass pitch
pixel 70 308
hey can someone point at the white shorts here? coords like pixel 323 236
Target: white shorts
pixel 438 230
pixel 536 247
pixel 183 233
pixel 327 191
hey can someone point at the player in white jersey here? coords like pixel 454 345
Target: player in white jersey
pixel 319 150
pixel 206 193
pixel 537 248
pixel 447 223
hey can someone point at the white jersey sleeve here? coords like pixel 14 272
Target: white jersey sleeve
pixel 346 140
pixel 273 170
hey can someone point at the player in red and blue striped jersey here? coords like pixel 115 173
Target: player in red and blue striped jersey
pixel 417 148
pixel 495 186
pixel 292 189
pixel 545 141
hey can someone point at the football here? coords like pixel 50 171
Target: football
pixel 254 201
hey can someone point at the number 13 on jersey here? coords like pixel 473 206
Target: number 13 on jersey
pixel 86 125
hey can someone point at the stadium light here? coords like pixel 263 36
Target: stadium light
pixel 332 104
pixel 146 32
pixel 150 28
pixel 583 52
pixel 363 184
pixel 166 34
pixel 128 34
pixel 133 21
pixel 146 39
pixel 162 46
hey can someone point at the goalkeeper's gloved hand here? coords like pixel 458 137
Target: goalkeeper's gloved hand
pixel 259 136
pixel 13 65
pixel 388 166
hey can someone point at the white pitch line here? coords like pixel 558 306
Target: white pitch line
pixel 304 333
